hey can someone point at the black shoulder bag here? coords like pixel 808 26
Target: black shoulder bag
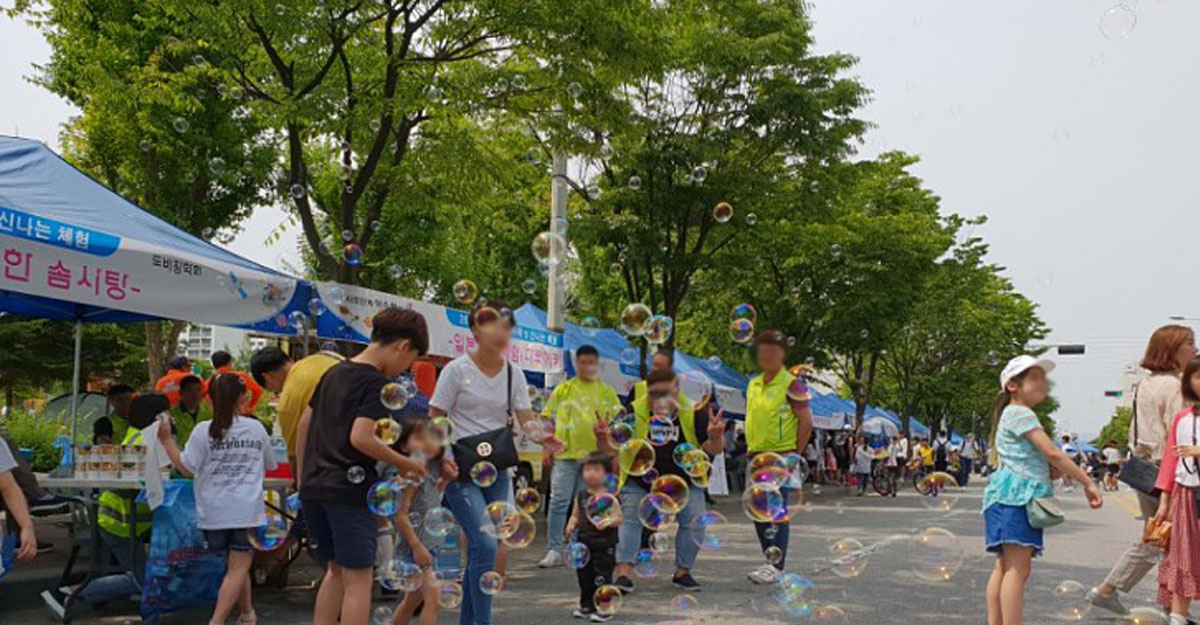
pixel 1140 474
pixel 495 446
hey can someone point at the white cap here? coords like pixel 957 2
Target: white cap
pixel 1020 364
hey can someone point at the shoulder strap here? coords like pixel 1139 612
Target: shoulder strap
pixel 1136 438
pixel 508 370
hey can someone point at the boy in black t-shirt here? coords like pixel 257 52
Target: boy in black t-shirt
pixel 338 454
pixel 601 542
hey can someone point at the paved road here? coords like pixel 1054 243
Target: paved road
pixel 885 592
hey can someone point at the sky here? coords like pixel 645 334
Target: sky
pixel 1073 131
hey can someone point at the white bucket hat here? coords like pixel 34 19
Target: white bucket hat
pixel 1022 363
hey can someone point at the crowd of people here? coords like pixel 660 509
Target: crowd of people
pixel 328 408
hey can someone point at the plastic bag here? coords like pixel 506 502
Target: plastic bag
pixel 181 571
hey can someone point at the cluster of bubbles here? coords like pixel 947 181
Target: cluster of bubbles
pixel 773 490
pixel 741 323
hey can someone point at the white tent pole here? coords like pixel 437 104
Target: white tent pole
pixel 75 379
pixel 558 257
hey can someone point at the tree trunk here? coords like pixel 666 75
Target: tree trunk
pixel 162 342
pixel 9 398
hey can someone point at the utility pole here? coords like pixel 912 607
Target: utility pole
pixel 558 253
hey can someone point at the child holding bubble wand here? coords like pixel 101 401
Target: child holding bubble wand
pixel 1025 455
pixel 597 533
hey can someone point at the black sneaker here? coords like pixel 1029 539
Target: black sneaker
pixel 582 613
pixel 625 585
pixel 686 582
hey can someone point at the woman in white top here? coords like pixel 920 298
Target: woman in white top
pixel 1179 480
pixel 477 391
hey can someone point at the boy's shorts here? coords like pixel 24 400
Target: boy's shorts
pixel 228 540
pixel 341 533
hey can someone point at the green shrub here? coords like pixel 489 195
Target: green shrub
pixel 29 431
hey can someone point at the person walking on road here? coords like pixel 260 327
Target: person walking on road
pixel 1156 400
pixel 863 457
pixel 966 459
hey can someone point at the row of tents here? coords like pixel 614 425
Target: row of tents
pixel 73 250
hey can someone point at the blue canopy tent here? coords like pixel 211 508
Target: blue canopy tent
pixel 72 250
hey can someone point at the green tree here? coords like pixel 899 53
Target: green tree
pixel 1117 429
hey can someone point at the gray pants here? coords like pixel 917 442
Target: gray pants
pixel 1140 558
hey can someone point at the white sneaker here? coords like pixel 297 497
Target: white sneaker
pixel 765 574
pixel 551 560
pixel 1108 602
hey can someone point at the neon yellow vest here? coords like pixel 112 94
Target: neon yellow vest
pixel 114 509
pixel 770 422
pixel 641 428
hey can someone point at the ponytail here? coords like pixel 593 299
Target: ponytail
pixel 1002 399
pixel 226 392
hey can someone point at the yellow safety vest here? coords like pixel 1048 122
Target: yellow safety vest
pixel 114 512
pixel 641 428
pixel 770 423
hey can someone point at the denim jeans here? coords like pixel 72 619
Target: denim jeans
pixel 775 534
pixel 468 502
pixel 964 471
pixel 564 484
pixel 687 539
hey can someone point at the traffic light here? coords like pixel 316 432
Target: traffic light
pixel 1071 350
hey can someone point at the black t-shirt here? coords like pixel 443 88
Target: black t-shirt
pixel 588 534
pixel 102 427
pixel 664 455
pixel 347 391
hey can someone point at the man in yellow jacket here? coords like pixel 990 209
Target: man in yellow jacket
pixel 779 420
pixel 575 407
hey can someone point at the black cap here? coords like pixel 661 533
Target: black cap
pixel 179 362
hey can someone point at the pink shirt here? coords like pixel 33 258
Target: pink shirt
pixel 1169 471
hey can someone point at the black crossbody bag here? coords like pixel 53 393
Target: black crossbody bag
pixel 1140 474
pixel 495 446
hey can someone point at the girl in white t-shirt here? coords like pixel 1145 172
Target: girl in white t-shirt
pixel 228 456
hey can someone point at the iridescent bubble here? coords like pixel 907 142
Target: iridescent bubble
pixel 620 433
pixel 661 542
pixel 575 89
pixel 699 174
pixel 439 521
pixel 743 311
pixel 352 254
pixel 297 191
pixel 1118 22
pixel 741 331
pixel 723 212
pixel 798 389
pixel 490 583
pixel 298 320
pixel 394 396
pixel 606 151
pixel 635 183
pixel 701 473
pixel 661 430
pixel 603 510
pixel 1143 615
pixel 381 615
pixel 577 555
pixel 939 491
pixel 500 519
pixel 387 430
pixel 751 219
pixel 612 483
pixel 659 329
pixel 773 554
pixel 356 474
pixel 207 233
pixel 441 429
pixel 630 355
pixel 528 499
pixel 316 307
pixel 684 604
pixel 524 532
pixel 763 503
pixel 607 600
pixel 484 474
pixel 180 125
pixel 396 272
pixel 935 554
pixel 292 504
pixel 590 326
pixel 548 245
pixel 849 558
pixel 829 614
pixel 638 456
pixel 644 565
pixel 383 499
pixel 636 317
pixel 797 468
pixel 272 534
pixel 1071 600
pixel 680 455
pixel 519 82
pixel 347 235
pixel 450 595
pixel 145 145
pixel 696 387
pixel 712 526
pixel 465 291
pixel 529 286
pixel 675 493
pixel 216 166
pixel 714 363
pixel 616 269
pixel 650 512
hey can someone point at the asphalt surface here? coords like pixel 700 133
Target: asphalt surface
pixel 885 591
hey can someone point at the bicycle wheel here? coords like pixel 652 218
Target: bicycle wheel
pixel 880 480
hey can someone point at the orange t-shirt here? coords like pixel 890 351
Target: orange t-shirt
pixel 256 391
pixel 169 384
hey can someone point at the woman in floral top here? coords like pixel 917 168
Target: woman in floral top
pixel 1025 454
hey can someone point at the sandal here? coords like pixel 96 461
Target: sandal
pixel 248 619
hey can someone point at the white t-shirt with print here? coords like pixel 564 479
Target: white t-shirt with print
pixel 229 474
pixel 475 402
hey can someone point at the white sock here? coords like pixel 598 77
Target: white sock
pixel 1178 619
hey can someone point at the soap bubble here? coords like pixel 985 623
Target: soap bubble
pixel 387 431
pixel 180 125
pixel 528 499
pixel 697 387
pixel 798 390
pixel 383 614
pixel 1118 22
pixel 352 254
pixel 500 519
pixel 450 595
pixel 347 236
pixel 849 558
pixel 548 245
pixel 829 614
pixel 722 212
pixel 292 504
pixel 1143 615
pixel 699 174
pixel 644 565
pixel 763 503
pixel 575 89
pixel 484 474
pixel 1071 600
pixel 524 532
pixel 701 473
pixel 679 455
pixel 635 183
pixel 529 286
pixel 935 554
pixel 620 432
pixel 612 483
pixel 271 534
pixel 660 329
pixel 577 555
pixel 216 166
pixel 741 331
pixel 465 291
pixel 650 511
pixel 602 509
pixel 298 320
pixel 441 428
pixel 316 307
pixel 383 499
pixel 636 317
pixel 630 355
pixel 439 522
pixel 661 542
pixel 356 474
pixel 712 529
pixel 743 311
pixel 490 583
pixel 675 492
pixel 714 363
pixel 939 491
pixel 638 455
pixel 797 468
pixel 773 555
pixel 607 600
pixel 297 191
pixel 394 397
pixel 590 325
pixel 661 430
pixel 751 219
pixel 402 575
